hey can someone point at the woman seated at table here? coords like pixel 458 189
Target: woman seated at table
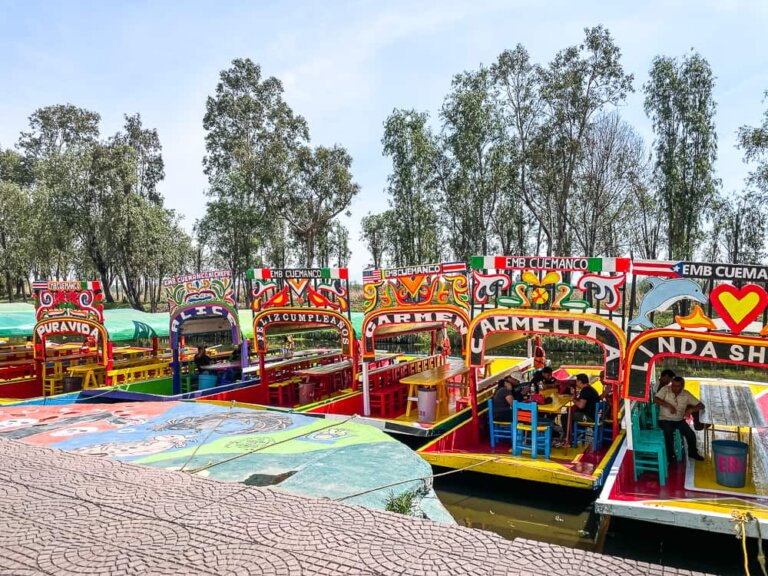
pixel 508 390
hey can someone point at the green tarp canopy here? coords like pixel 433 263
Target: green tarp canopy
pixel 18 321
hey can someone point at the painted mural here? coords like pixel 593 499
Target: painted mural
pixel 301 454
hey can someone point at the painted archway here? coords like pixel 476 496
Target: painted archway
pixel 551 323
pixel 412 315
pixel 68 326
pixel 654 345
pixel 303 316
pixel 201 312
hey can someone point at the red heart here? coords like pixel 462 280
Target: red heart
pixel 738 306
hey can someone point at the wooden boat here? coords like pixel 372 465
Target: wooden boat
pixel 198 304
pixel 522 296
pixel 726 324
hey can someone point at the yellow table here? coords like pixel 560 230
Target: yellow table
pixel 129 352
pixel 91 374
pixel 435 378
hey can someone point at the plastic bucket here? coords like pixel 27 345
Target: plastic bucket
pixel 306 392
pixel 427 404
pixel 206 381
pixel 730 462
pixel 71 384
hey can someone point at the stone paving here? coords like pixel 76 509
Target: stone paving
pixel 67 514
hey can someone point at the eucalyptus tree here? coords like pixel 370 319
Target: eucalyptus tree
pixel 148 157
pixel 15 216
pixel 412 186
pixel 522 109
pixel 254 136
pixel 611 167
pixel 580 82
pixel 679 102
pixel 754 142
pixel 322 189
pixel 373 231
pixel 474 174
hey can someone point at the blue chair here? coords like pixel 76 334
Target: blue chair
pixel 581 430
pixel 528 434
pixel 497 430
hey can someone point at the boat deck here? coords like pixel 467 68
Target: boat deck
pixel 692 497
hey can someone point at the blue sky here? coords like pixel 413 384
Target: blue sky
pixel 345 66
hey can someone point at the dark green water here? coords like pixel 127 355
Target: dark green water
pixel 565 516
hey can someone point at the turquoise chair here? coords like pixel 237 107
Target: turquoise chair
pixel 527 434
pixel 584 430
pixel 497 430
pixel 653 422
pixel 648 451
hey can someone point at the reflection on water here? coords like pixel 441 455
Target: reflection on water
pixel 519 509
pixel 565 516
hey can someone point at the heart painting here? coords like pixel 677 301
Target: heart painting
pixel 738 306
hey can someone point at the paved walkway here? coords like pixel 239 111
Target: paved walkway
pixel 62 513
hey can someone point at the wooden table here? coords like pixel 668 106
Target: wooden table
pixel 435 378
pixel 326 374
pixel 560 405
pixel 729 406
pixel 130 352
pixel 91 374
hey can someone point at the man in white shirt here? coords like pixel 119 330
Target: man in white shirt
pixel 676 404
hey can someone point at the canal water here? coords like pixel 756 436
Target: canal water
pixel 565 516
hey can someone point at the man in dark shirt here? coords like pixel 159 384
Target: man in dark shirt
pixel 586 400
pixel 201 358
pixel 543 379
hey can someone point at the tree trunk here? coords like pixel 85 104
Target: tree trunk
pixel 9 286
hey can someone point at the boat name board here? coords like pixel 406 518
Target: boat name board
pixel 68 327
pixel 728 349
pixel 277 317
pixel 504 322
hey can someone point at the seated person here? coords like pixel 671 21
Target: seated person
pixel 510 390
pixel 201 358
pixel 543 379
pixel 507 391
pixel 676 405
pixel 664 379
pixel 585 402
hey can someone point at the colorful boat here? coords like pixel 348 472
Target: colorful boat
pixel 198 304
pixel 724 322
pixel 521 296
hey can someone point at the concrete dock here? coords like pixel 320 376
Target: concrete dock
pixel 68 514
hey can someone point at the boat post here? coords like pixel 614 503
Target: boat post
pixel 366 390
pixel 263 381
pixel 628 421
pixel 473 402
